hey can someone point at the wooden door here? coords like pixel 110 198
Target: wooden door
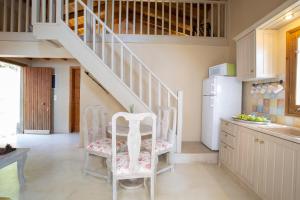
pixel 37 99
pixel 75 100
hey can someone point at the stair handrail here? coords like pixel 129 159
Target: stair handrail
pixel 126 47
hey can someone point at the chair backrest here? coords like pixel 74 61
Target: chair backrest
pixel 133 138
pixel 166 123
pixel 94 123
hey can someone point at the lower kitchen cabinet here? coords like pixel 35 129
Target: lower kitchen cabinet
pixel 270 166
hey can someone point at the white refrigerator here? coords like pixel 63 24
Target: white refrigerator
pixel 222 98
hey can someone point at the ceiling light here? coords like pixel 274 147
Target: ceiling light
pixel 288 17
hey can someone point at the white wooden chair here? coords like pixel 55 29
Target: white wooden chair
pixel 95 141
pixel 165 142
pixel 134 163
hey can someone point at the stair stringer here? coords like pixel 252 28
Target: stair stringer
pixel 91 62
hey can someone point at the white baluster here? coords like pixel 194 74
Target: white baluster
pixel 120 16
pixel 27 16
pixel 150 90
pixel 50 5
pixel 20 15
pixel 198 23
pixel 99 14
pixel 94 33
pixel 141 21
pixel 12 13
pixel 43 11
pixel 127 15
pixel 179 120
pixel 140 81
pixel 76 17
pixel 84 25
pixel 159 94
pixel 4 15
pixel 105 13
pixel 112 52
pixel 122 63
pixel 103 43
pixel 134 15
pixel 130 71
pixel 67 12
pixel 169 98
pixel 113 15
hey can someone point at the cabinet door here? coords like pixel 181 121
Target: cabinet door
pixel 266 53
pixel 277 169
pixel 246 59
pixel 246 154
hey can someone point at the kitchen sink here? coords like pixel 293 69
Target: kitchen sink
pixel 285 130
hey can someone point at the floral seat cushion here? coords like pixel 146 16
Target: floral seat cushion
pixel 144 163
pixel 161 145
pixel 103 146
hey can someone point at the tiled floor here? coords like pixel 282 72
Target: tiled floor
pixel 53 171
pixel 195 147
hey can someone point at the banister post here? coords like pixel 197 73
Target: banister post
pixel 179 120
pixel 34 11
pixel 59 10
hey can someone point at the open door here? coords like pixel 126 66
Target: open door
pixel 37 99
pixel 75 100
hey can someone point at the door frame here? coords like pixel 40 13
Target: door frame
pixel 70 96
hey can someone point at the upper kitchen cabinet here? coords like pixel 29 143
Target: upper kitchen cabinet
pixel 256 55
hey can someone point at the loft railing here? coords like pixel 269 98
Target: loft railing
pixel 201 18
pixel 198 18
pixel 15 16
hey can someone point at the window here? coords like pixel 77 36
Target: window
pixel 293 72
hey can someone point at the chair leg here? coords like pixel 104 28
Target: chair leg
pixel 86 162
pixel 152 187
pixel 114 188
pixel 171 160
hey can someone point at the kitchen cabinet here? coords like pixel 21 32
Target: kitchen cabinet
pixel 257 55
pixel 269 165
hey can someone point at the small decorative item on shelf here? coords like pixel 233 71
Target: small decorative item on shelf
pixel 252 119
pixel 8 148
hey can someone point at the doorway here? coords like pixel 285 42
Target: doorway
pixel 75 100
pixel 10 82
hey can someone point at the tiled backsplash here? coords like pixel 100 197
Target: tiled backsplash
pixel 268 104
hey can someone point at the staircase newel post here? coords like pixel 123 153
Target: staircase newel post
pixel 34 11
pixel 179 120
pixel 59 10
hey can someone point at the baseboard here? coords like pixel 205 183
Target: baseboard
pixel 37 131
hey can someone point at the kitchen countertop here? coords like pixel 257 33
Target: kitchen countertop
pixel 266 129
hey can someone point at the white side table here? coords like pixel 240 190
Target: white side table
pixel 19 156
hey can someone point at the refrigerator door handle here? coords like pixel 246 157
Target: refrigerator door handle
pixel 212 87
pixel 211 102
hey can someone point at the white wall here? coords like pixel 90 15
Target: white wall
pixel 61 91
pixel 183 67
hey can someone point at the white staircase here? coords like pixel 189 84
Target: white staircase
pixel 104 55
